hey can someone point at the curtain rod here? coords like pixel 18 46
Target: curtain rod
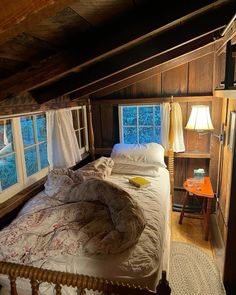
pixel 5 117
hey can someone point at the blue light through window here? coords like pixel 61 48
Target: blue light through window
pixel 140 124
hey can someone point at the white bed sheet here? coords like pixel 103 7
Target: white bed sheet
pixel 143 263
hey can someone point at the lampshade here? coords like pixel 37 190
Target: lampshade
pixel 200 118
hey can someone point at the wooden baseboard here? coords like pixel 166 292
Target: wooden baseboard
pixel 217 244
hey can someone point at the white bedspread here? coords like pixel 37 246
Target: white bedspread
pixel 139 264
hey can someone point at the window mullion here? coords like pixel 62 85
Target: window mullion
pixel 121 126
pixel 36 142
pixel 137 122
pixel 153 123
pixel 19 150
pixel 85 127
pixel 79 131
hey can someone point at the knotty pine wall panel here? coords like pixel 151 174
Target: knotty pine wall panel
pixel 180 171
pixel 149 87
pixel 200 76
pixel 219 69
pixel 97 128
pixel 224 196
pixel 109 125
pixel 174 81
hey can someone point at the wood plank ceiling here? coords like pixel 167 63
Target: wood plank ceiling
pixel 51 48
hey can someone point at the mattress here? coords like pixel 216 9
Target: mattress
pixel 141 264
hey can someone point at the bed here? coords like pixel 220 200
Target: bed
pixel 136 257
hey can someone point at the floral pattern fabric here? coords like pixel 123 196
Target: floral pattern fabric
pixel 78 216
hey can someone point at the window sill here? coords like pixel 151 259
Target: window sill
pixel 26 194
pixel 21 197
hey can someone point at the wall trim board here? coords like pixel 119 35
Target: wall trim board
pixel 217 243
pixel 153 99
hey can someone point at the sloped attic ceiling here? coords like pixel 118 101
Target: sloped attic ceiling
pixel 51 48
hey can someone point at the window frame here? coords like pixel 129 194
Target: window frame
pixel 85 148
pixel 23 180
pixel 42 172
pixel 137 105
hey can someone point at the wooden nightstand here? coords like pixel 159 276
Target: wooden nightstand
pixel 205 191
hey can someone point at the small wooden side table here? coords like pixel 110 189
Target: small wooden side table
pixel 205 191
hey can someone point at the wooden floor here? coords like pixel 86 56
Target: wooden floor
pixel 191 231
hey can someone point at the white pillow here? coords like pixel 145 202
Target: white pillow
pixel 135 168
pixel 148 153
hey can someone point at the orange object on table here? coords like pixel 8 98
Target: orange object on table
pixel 200 189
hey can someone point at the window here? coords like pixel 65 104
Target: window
pixel 140 124
pixel 23 153
pixel 80 126
pixel 34 136
pixel 8 164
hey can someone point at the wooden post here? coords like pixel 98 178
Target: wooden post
pixel 13 285
pixel 34 287
pixel 91 133
pixel 58 289
pixel 163 287
pixel 229 67
pixel 170 152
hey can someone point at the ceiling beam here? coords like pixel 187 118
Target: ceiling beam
pixel 159 49
pixel 18 16
pixel 144 74
pixel 100 46
pixel 159 63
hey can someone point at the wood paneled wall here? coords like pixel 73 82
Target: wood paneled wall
pixel 189 78
pixel 184 82
pixel 224 197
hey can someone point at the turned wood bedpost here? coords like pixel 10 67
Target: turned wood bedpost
pixel 34 287
pixel 13 285
pixel 163 287
pixel 91 133
pixel 38 275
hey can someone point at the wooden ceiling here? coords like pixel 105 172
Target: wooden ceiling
pixel 55 47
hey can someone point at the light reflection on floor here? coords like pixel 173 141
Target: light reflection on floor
pixel 191 231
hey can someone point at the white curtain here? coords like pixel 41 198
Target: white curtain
pixel 63 148
pixel 165 124
pixel 178 145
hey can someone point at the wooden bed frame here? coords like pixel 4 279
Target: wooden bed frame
pixel 36 276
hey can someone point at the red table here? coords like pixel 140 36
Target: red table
pixel 205 191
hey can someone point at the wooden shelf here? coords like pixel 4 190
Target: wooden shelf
pixel 230 93
pixel 193 155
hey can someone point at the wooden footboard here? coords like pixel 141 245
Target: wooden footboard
pixel 38 275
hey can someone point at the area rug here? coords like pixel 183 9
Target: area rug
pixel 193 272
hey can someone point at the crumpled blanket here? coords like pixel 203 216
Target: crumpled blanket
pixel 58 178
pixel 90 216
pixel 100 168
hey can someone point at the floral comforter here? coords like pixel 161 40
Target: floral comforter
pixel 77 216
